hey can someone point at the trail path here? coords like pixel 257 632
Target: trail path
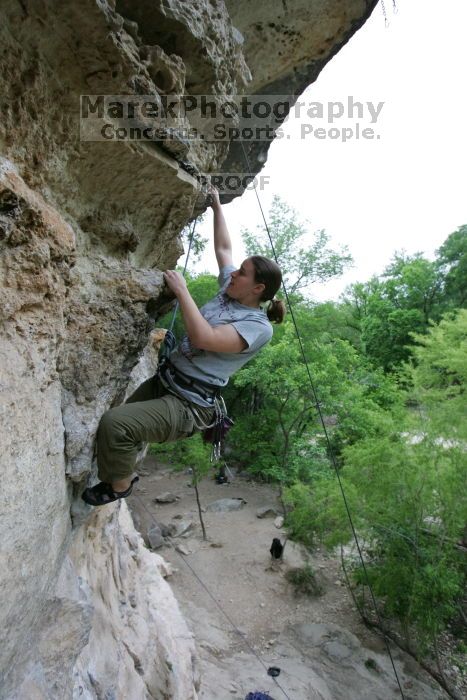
pixel 320 645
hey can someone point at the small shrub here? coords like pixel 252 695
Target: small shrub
pixel 371 664
pixel 304 581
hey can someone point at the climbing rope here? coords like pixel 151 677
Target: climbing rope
pixel 328 442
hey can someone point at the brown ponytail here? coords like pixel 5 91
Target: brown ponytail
pixel 267 272
pixel 276 311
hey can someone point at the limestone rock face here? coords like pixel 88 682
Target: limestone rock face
pixel 139 644
pixel 85 230
pixel 283 39
pixel 113 628
pixel 37 251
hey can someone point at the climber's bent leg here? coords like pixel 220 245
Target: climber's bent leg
pixel 149 389
pixel 124 428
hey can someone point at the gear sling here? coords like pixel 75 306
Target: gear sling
pixel 215 431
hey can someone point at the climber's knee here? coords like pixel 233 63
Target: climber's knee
pixel 107 422
pixel 113 429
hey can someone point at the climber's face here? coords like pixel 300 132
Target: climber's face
pixel 243 287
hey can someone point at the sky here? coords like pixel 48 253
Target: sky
pixel 405 188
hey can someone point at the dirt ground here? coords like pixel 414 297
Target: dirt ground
pixel 246 617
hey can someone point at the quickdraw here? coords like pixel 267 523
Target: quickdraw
pixel 216 433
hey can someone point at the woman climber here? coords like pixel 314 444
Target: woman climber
pixel 220 338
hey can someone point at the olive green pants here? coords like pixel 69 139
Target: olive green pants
pixel 151 414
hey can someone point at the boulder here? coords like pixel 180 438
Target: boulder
pixel 181 527
pixel 267 512
pixel 166 497
pixel 155 536
pixel 224 505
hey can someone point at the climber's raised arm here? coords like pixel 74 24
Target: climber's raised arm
pixel 222 243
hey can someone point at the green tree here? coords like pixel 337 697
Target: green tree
pixel 439 375
pixel 192 453
pixel 278 409
pixel 302 265
pixel 413 282
pixel 392 307
pixel 405 483
pixel 198 243
pixel 279 433
pixel 452 262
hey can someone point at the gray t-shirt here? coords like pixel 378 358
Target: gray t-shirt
pixel 216 367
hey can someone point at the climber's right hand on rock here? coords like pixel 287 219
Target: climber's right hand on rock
pixel 175 281
pixel 214 201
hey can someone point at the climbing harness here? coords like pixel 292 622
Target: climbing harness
pixel 213 432
pixel 172 377
pixel 325 431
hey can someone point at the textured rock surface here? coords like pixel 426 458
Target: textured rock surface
pixel 36 257
pixel 84 230
pixel 139 643
pixel 99 631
